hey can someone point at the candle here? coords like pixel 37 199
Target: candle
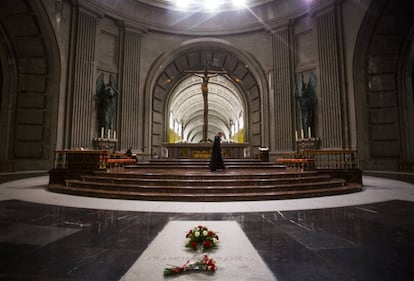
pixel 109 134
pixel 309 132
pixel 114 135
pixel 102 132
pixel 301 134
pixel 296 135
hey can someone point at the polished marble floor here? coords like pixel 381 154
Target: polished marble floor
pixel 367 236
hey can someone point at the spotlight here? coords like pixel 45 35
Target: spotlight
pixel 240 3
pixel 212 5
pixel 182 4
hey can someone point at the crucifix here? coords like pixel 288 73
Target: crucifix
pixel 206 75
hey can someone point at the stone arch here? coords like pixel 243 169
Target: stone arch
pixel 193 55
pixel 405 88
pixel 380 128
pixel 30 64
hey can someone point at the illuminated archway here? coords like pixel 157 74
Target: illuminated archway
pixel 242 72
pixel 186 109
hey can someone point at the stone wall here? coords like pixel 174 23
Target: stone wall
pixel 28 116
pixel 51 58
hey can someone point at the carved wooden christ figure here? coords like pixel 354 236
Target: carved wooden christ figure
pixel 206 75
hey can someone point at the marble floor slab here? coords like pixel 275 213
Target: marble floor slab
pixel 237 259
pixel 34 234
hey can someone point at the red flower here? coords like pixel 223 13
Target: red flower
pixel 204 263
pixel 207 244
pixel 198 236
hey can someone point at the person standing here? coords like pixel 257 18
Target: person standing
pixel 216 161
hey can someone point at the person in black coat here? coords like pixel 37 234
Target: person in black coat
pixel 216 161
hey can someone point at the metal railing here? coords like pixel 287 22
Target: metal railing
pixel 323 158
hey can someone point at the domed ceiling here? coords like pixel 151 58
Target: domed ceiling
pixel 205 18
pixel 204 6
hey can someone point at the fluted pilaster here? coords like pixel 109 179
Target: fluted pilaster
pixel 332 110
pixel 131 116
pixel 282 114
pixel 82 91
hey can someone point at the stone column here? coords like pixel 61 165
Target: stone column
pixel 282 138
pixel 131 115
pixel 331 105
pixel 81 92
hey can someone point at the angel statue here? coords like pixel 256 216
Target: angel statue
pixel 106 100
pixel 306 96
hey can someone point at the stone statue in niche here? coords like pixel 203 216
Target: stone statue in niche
pixel 305 94
pixel 106 95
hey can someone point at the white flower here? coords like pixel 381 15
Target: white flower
pixel 187 240
pixel 196 234
pixel 215 240
pixel 205 233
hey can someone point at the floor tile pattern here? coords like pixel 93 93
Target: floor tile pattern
pixel 369 242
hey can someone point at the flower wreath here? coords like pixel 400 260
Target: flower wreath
pixel 200 237
pixel 204 263
pixel 197 238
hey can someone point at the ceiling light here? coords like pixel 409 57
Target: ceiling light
pixel 212 5
pixel 182 4
pixel 239 3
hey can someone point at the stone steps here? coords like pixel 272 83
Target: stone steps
pixel 203 164
pixel 199 188
pixel 210 197
pixel 195 181
pixel 170 180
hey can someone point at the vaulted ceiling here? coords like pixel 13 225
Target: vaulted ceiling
pixel 199 19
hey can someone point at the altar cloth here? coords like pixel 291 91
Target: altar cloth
pixel 236 257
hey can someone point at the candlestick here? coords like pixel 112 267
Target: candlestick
pixel 102 132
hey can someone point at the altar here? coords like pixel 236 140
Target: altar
pixel 203 150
